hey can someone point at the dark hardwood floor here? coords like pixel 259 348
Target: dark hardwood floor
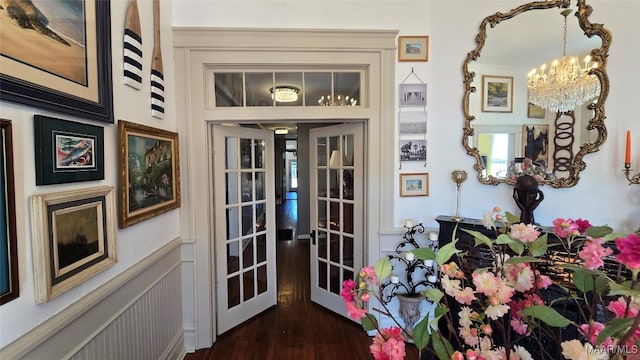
pixel 295 328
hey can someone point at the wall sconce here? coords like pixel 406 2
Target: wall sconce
pixel 284 93
pixel 633 179
pixel 281 131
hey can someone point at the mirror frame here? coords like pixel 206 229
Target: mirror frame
pixel 598 55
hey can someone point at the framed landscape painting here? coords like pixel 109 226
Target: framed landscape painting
pixel 497 93
pixel 9 280
pixel 67 151
pixel 414 184
pixel 77 34
pixel 413 48
pixel 73 238
pixel 149 172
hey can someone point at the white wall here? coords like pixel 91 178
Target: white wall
pixel 602 194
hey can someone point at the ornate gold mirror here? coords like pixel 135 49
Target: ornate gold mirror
pixel 540 123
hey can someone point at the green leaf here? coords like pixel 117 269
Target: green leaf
pixel 424 253
pixel 383 268
pixel 539 247
pixel 446 252
pixel 613 236
pixel 504 239
pixel 598 231
pixel 517 247
pixel 434 295
pixel 602 284
pixel 623 289
pixel 615 326
pixel 442 347
pixel 439 312
pixel 547 315
pixel 421 333
pixel 583 280
pixel 369 322
pixel 479 237
pixel 522 259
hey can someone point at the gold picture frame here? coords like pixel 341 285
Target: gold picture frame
pixel 414 184
pixel 535 111
pixel 413 48
pixel 149 172
pixel 74 238
pixel 497 93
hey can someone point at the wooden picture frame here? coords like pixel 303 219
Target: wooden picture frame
pixel 149 172
pixel 412 95
pixel 80 82
pixel 414 184
pixel 413 48
pixel 9 278
pixel 535 111
pixel 67 151
pixel 74 238
pixel 497 93
pixel 413 150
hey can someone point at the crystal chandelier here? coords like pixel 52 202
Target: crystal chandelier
pixel 565 85
pixel 285 93
pixel 337 101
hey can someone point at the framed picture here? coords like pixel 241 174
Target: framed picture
pixel 416 184
pixel 535 143
pixel 75 33
pixel 413 94
pixel 74 238
pixel 149 172
pixel 497 93
pixel 413 150
pixel 67 151
pixel 535 111
pixel 9 280
pixel 412 122
pixel 413 48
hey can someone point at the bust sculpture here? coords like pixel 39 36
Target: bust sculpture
pixel 527 197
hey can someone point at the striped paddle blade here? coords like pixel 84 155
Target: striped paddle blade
pixel 157 78
pixel 132 48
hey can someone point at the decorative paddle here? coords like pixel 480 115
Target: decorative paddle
pixel 157 78
pixel 132 47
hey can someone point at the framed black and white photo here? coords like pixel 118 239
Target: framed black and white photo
pixel 67 151
pixel 413 150
pixel 413 94
pixel 412 122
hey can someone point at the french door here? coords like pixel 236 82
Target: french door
pixel 244 202
pixel 336 201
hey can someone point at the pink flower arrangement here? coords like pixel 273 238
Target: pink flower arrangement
pixel 501 311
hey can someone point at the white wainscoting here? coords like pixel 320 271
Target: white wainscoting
pixel 136 315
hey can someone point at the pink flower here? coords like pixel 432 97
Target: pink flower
pixel 526 233
pixel 486 283
pixel 520 276
pixel 583 225
pixel 388 345
pixel 629 251
pixel 591 333
pixel 368 274
pixel 565 228
pixel 348 290
pixel 457 356
pixel 519 326
pixel 496 311
pixel 354 311
pixel 465 296
pixel 592 253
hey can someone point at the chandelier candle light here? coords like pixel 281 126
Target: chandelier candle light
pixel 565 84
pixel 284 93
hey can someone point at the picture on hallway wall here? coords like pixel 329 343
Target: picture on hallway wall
pixel 413 94
pixel 9 280
pixel 413 48
pixel 78 35
pixel 535 142
pixel 73 238
pixel 413 150
pixel 497 93
pixel 416 184
pixel 149 172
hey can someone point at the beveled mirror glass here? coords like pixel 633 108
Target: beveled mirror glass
pixel 502 130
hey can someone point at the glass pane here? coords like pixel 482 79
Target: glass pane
pixel 334 215
pixel 290 86
pixel 247 280
pixel 334 248
pixel 228 89
pixel 262 279
pixel 347 150
pixel 347 184
pixel 322 274
pixel 247 186
pixel 317 86
pixel 346 87
pixel 334 183
pixel 334 282
pixel 261 217
pixel 347 218
pixel 322 214
pixel 322 182
pixel 245 153
pixel 233 260
pixel 231 180
pixel 347 252
pixel 347 274
pixel 334 146
pixel 322 244
pixel 261 241
pixel 260 191
pixel 231 151
pixel 233 223
pixel 321 147
pixel 247 253
pixel 233 291
pixel 259 150
pixel 247 219
pixel 257 92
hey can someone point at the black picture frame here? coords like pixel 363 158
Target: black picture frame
pixel 67 151
pixel 9 278
pixel 14 87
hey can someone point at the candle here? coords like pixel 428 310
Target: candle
pixel 409 256
pixel 627 153
pixel 432 278
pixel 428 263
pixel 408 223
pixel 395 279
pixel 433 236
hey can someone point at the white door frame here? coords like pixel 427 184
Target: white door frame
pixel 195 50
